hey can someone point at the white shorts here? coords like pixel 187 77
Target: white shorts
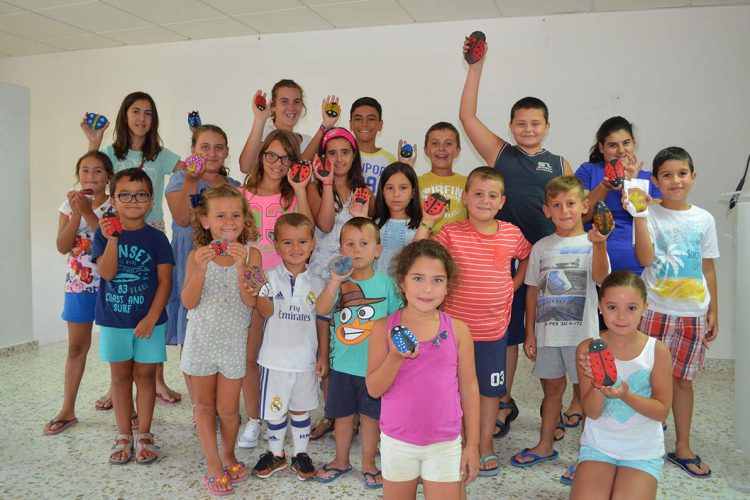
pixel 439 462
pixel 284 391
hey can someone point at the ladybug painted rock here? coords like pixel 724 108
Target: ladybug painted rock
pixel 638 198
pixel 603 366
pixel 260 102
pixel 340 265
pixel 95 121
pixel 88 193
pixel 603 220
pixel 325 168
pixel 258 279
pixel 301 170
pixel 194 119
pixel 194 163
pixel 361 195
pixel 220 246
pixel 477 47
pixel 407 151
pixel 332 109
pixel 404 339
pixel 614 170
pixel 435 203
pixel 115 225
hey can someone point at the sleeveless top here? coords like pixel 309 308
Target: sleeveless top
pixel 620 432
pixel 394 236
pixel 221 308
pixel 423 405
pixel 327 244
pixel 525 179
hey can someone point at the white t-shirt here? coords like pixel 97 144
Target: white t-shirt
pixel 674 280
pixel 290 337
pixel 566 300
pixel 270 127
pixel 373 165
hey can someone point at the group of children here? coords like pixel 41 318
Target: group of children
pixel 249 289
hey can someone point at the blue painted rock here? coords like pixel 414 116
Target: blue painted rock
pixel 340 265
pixel 404 339
pixel 95 121
pixel 332 109
pixel 194 119
pixel 407 151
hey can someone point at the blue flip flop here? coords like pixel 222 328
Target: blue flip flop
pixel 489 472
pixel 683 463
pixel 370 483
pixel 338 473
pixel 535 458
pixel 567 481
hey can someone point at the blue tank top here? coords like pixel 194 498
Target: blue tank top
pixel 525 178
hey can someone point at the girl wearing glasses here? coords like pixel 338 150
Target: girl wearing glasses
pixel 270 193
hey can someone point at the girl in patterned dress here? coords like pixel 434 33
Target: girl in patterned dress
pixel 220 301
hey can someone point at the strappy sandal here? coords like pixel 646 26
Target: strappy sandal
pixel 118 447
pixel 211 483
pixel 321 428
pixel 147 447
pixel 237 472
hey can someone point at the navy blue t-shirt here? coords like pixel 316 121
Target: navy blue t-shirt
pixel 125 301
pixel 526 176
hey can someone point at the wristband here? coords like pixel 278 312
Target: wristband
pixel 328 184
pixel 426 226
pixel 323 128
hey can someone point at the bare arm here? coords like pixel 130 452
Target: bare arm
pixel 93 137
pixel 709 271
pixel 383 364
pixel 468 386
pixel 195 275
pixel 529 342
pixel 324 347
pixel 107 261
pixel 264 305
pixel 251 149
pixel 487 143
pixel 520 275
pixel 644 247
pixel 67 230
pixel 599 258
pixel 145 327
pixel 328 295
pixel 179 201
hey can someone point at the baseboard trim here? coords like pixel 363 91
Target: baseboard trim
pixel 10 350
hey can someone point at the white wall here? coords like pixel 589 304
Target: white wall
pixel 15 264
pixel 681 75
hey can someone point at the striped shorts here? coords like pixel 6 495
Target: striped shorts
pixel 685 336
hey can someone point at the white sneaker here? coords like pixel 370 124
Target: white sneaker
pixel 249 438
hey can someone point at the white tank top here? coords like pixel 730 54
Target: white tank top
pixel 620 432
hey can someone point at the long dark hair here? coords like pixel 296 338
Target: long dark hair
pixel 354 178
pixel 610 125
pixel 152 145
pixel 413 210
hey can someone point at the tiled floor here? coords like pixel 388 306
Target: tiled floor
pixel 74 463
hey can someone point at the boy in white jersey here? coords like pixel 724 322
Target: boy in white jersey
pixel 294 352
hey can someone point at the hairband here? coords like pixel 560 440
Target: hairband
pixel 339 132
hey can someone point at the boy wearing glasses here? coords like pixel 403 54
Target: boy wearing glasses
pixel 136 270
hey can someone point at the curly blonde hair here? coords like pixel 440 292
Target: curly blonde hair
pixel 201 236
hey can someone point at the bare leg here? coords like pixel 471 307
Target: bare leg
pixel 511 363
pixel 574 408
pixel 162 389
pixel 369 436
pixel 553 393
pixel 487 416
pixel 144 375
pixel 227 404
pixel 205 424
pixel 79 342
pixel 633 484
pixel 594 481
pixel 251 382
pixel 187 380
pixel 122 398
pixel 344 434
pixel 682 410
pixel 402 489
pixel 441 491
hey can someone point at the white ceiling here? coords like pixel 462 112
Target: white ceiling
pixel 41 26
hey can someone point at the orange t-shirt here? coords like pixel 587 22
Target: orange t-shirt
pixel 484 293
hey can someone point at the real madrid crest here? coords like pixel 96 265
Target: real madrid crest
pixel 276 404
pixel 310 299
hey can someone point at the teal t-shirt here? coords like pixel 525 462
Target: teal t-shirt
pixel 356 307
pixel 157 170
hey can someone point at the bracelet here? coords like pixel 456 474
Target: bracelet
pixel 426 226
pixel 323 128
pixel 328 184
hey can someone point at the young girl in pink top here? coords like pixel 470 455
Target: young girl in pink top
pixel 428 393
pixel 270 193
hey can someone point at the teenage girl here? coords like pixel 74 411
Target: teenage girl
pixel 219 300
pixel 399 214
pixel 211 142
pixel 79 218
pixel 427 395
pixel 270 193
pixel 137 144
pixel 284 110
pixel 622 445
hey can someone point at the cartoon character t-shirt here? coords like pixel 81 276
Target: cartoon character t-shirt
pixel 125 300
pixel 82 276
pixel 682 239
pixel 356 307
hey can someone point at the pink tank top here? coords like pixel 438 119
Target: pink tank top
pixel 265 210
pixel 423 405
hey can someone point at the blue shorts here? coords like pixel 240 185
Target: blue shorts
pixel 489 359
pixel 517 326
pixel 79 307
pixel 347 395
pixel 121 344
pixel 652 467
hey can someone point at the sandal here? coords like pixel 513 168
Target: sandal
pixel 683 463
pixel 510 405
pixel 321 428
pixel 577 416
pixel 147 447
pixel 237 472
pixel 169 396
pixel 337 473
pixel 503 426
pixel 104 403
pixel 371 480
pixel 212 481
pixel 571 472
pixel 494 471
pixel 63 423
pixel 118 447
pixel 560 427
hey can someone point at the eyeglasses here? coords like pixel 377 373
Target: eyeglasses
pixel 129 197
pixel 271 157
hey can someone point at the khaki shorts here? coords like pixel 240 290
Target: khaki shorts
pixel 439 462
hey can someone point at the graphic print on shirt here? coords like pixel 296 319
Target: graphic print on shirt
pixel 561 295
pixel 265 223
pixel 452 193
pixel 80 271
pixel 639 383
pixel 679 269
pixel 132 267
pixel 355 314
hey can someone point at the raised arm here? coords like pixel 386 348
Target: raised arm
pixel 484 140
pixel 251 149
